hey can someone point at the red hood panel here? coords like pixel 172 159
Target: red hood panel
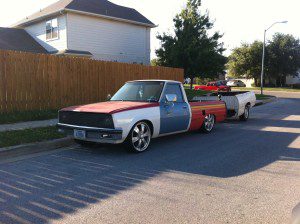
pixel 111 107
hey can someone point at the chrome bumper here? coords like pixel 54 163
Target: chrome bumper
pixel 101 135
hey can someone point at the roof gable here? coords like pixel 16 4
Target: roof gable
pixel 19 40
pixel 96 7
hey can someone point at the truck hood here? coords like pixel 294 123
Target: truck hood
pixel 111 107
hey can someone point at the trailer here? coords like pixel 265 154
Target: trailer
pixel 238 104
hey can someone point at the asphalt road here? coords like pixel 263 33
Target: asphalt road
pixel 241 173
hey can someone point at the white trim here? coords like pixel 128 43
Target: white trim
pixel 76 55
pixel 23 24
pixel 53 38
pixel 110 17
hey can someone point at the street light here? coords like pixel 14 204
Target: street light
pixel 263 57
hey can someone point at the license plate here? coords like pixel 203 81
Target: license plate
pixel 79 134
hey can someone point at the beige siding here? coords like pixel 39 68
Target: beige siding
pixel 38 32
pixel 109 40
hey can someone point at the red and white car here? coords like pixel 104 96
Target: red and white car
pixel 218 86
pixel 138 112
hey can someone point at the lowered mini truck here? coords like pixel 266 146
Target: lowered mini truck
pixel 138 112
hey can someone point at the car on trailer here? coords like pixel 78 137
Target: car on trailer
pixel 218 86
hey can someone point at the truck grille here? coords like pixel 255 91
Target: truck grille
pixel 95 120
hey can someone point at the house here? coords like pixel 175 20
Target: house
pixel 293 80
pixel 290 80
pixel 96 29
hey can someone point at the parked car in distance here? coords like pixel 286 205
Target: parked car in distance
pixel 236 83
pixel 218 86
pixel 138 112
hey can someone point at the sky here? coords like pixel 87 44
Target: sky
pixel 239 20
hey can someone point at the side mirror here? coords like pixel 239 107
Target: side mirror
pixel 171 98
pixel 220 97
pixel 108 97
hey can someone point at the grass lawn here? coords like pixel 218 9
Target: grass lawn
pixel 263 97
pixel 192 93
pixel 15 117
pixel 11 138
pixel 268 89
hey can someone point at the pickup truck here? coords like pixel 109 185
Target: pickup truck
pixel 214 86
pixel 138 112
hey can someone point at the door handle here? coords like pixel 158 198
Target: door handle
pixel 184 107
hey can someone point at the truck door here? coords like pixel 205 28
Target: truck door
pixel 174 116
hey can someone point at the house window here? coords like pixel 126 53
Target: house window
pixel 52 29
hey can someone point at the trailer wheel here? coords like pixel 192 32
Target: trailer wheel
pixel 246 114
pixel 209 123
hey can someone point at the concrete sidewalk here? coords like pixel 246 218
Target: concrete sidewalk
pixel 27 125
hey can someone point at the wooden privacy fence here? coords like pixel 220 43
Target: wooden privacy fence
pixel 39 82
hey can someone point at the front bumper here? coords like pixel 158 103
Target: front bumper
pixel 100 135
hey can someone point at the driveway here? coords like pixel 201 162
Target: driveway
pixel 241 173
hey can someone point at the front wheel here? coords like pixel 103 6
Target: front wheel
pixel 139 138
pixel 246 114
pixel 209 123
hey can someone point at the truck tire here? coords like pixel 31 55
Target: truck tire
pixel 139 138
pixel 246 114
pixel 209 123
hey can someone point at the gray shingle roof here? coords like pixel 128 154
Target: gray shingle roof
pixel 19 40
pixel 98 7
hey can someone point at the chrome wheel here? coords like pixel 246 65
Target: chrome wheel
pixel 141 137
pixel 209 123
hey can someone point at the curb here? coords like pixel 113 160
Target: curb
pixel 32 148
pixel 28 125
pixel 262 102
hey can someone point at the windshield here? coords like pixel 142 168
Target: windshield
pixel 140 92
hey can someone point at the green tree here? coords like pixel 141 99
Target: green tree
pixel 283 57
pixel 245 61
pixel 192 48
pixel 154 62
